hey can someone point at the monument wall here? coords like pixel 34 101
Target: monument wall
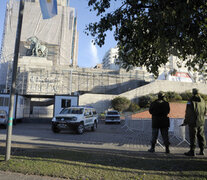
pixel 38 76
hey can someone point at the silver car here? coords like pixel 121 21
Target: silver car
pixel 112 116
pixel 3 118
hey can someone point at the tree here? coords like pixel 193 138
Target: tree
pixel 133 107
pixel 148 31
pixel 144 101
pixel 120 103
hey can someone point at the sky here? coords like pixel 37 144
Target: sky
pixel 88 54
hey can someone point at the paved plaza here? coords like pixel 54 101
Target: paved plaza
pixel 108 137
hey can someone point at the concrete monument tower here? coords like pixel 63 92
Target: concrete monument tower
pixel 53 42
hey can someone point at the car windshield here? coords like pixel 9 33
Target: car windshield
pixel 72 111
pixel 112 113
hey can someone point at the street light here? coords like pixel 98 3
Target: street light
pixel 14 73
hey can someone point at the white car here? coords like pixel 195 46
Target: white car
pixel 75 118
pixel 3 118
pixel 112 116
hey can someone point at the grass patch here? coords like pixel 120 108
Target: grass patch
pixel 81 163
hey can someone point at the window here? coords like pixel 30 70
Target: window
pixel 65 103
pixel 94 111
pixel 76 110
pixel 112 113
pixel 21 102
pixel 64 111
pixel 1 101
pixel 6 101
pixel 88 113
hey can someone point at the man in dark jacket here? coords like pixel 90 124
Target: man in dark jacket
pixel 195 119
pixel 160 121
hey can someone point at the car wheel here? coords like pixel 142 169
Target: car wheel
pixel 94 127
pixel 80 128
pixel 55 129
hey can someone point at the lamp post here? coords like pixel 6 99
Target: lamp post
pixel 14 73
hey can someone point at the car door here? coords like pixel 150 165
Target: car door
pixel 88 117
pixel 94 115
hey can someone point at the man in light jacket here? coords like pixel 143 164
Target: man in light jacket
pixel 195 119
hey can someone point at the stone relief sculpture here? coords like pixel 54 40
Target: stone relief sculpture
pixel 36 48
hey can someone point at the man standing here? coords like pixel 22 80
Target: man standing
pixel 195 119
pixel 159 110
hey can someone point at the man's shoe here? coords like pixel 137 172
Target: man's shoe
pixel 201 153
pixel 190 153
pixel 151 150
pixel 167 151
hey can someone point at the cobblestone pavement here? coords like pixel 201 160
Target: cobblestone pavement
pixel 107 136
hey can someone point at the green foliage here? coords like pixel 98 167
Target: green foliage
pixel 120 103
pixel 186 95
pixel 153 97
pixel 101 116
pixel 148 31
pixel 144 101
pixel 133 107
pixel 172 96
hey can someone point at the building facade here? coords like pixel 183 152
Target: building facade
pixel 174 70
pixel 110 59
pixel 56 38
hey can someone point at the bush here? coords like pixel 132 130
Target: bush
pixel 144 101
pixel 133 107
pixel 186 95
pixel 120 103
pixel 172 96
pixel 153 97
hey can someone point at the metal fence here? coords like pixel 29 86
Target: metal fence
pixel 144 126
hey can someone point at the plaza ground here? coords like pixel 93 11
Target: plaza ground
pixel 114 141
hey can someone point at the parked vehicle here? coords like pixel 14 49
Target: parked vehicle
pixel 75 118
pixel 3 118
pixel 112 116
pixel 19 105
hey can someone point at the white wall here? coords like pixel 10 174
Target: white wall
pixel 102 102
pixel 20 106
pixel 58 100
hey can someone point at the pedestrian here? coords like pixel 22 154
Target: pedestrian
pixel 160 121
pixel 195 119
